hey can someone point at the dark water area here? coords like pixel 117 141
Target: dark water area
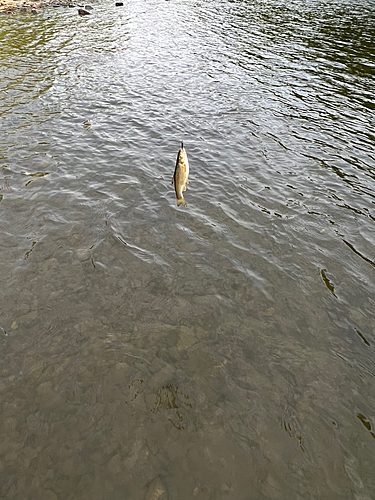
pixel 221 351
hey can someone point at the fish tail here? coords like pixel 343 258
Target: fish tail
pixel 181 201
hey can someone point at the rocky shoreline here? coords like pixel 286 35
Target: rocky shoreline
pixel 8 6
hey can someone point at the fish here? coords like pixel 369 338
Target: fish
pixel 181 174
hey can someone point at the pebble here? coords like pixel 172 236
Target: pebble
pixel 45 388
pixel 83 254
pixel 156 491
pixel 186 339
pixel 270 311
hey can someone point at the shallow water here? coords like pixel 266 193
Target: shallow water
pixel 223 351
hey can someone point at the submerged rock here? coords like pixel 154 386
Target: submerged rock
pixel 156 491
pixel 119 4
pixel 88 7
pixel 83 12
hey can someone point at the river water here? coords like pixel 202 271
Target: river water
pixel 221 351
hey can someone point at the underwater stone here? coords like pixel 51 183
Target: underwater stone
pixel 186 339
pixel 48 495
pixel 45 388
pixel 161 377
pixel 156 491
pixel 83 254
pixel 115 465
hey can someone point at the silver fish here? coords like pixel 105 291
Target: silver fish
pixel 180 176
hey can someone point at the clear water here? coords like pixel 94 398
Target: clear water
pixel 222 351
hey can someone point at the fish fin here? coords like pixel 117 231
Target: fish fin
pixel 173 180
pixel 181 201
pixel 184 188
pixel 187 181
pixel 182 145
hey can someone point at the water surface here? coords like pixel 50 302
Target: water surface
pixel 223 351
